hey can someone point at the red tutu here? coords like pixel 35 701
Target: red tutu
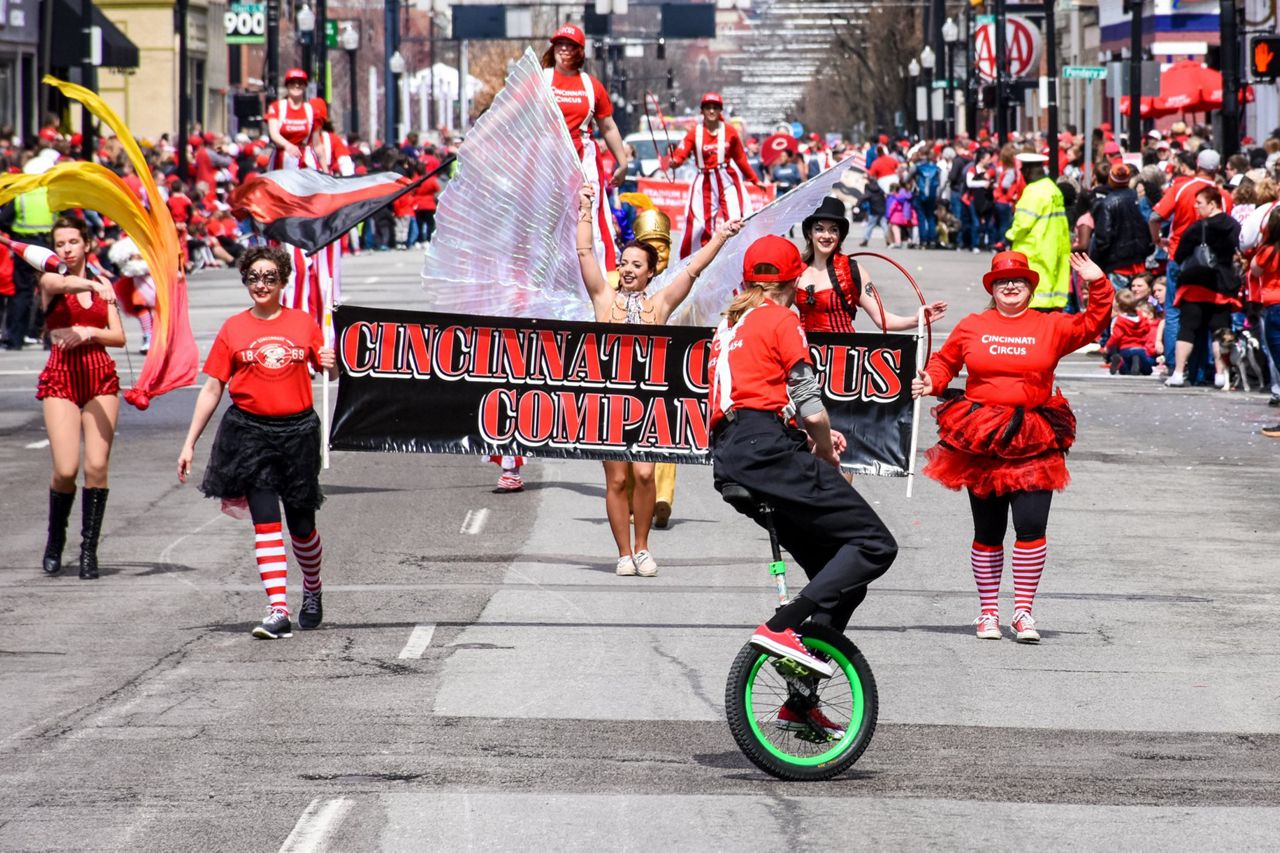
pixel 995 449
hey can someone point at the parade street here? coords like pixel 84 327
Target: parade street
pixel 484 681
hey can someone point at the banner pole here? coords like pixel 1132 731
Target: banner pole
pixel 324 385
pixel 916 404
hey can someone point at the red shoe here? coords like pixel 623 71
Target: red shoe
pixel 786 644
pixel 798 721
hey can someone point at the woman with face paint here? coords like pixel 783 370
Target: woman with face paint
pixel 1004 438
pixel 637 265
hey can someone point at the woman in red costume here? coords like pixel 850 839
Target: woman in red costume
pixel 80 390
pixel 1005 438
pixel 581 99
pixel 823 306
pixel 717 193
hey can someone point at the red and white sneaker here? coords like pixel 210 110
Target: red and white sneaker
pixel 988 626
pixel 799 721
pixel 1024 627
pixel 510 481
pixel 786 644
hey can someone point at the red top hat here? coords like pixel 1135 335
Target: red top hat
pixel 1010 265
pixel 569 33
pixel 776 251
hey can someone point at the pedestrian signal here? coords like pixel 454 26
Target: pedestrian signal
pixel 1264 57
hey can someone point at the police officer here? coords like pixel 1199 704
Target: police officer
pixel 762 377
pixel 1041 232
pixel 29 219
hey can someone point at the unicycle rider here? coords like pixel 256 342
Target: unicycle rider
pixel 771 434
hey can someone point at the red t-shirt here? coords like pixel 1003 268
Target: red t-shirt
pixel 297 123
pixel 1131 331
pixel 572 100
pixel 883 166
pixel 767 342
pixel 265 361
pixel 733 150
pixel 1011 360
pixel 180 208
pixel 206 172
pixel 1179 202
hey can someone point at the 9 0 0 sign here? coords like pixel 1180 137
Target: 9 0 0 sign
pixel 246 23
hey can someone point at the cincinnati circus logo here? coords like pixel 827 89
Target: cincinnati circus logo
pixel 273 356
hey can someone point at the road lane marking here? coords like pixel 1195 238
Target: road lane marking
pixel 37 445
pixel 316 825
pixel 418 642
pixel 21 372
pixel 168 549
pixel 474 521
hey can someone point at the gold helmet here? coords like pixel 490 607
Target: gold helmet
pixel 652 225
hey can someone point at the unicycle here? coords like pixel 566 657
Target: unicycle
pixel 790 722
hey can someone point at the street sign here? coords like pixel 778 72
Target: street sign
pixel 1084 72
pixel 246 23
pixel 331 33
pixel 1022 48
pixel 1264 57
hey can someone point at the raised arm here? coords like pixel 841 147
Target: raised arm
pixel 669 298
pixel 1085 327
pixel 592 276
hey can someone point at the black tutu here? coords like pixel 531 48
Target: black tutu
pixel 278 454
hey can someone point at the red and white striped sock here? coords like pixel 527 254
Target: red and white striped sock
pixel 1028 563
pixel 307 552
pixel 273 565
pixel 147 322
pixel 988 565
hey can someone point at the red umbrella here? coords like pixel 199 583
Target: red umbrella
pixel 771 149
pixel 1147 107
pixel 1183 86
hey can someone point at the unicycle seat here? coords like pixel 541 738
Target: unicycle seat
pixel 740 498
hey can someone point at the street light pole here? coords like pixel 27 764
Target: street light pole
pixel 351 44
pixel 927 61
pixel 950 34
pixel 273 48
pixel 913 73
pixel 322 51
pixel 305 20
pixel 391 24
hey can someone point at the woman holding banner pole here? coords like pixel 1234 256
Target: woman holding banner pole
pixel 717 193
pixel 637 266
pixel 1005 438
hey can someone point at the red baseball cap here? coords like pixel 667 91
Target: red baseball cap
pixel 195 140
pixel 712 98
pixel 569 33
pixel 295 74
pixel 1010 265
pixel 776 251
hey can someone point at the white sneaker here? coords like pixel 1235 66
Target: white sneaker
pixel 1219 380
pixel 646 566
pixel 1024 627
pixel 626 566
pixel 988 626
pixel 1175 380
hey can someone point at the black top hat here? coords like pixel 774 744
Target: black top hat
pixel 831 210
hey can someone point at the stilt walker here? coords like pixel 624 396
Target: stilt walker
pixel 717 194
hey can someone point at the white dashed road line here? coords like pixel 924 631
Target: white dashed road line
pixel 418 642
pixel 474 521
pixel 37 445
pixel 316 825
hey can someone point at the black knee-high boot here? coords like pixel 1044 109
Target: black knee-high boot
pixel 60 504
pixel 95 505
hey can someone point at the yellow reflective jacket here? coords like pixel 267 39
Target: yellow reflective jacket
pixel 1040 231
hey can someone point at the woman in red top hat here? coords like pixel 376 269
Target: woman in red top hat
pixel 582 99
pixel 1005 438
pixel 717 194
pixel 833 285
pixel 761 373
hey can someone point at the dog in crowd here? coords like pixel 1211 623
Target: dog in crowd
pixel 1243 355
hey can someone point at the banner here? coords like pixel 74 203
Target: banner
pixel 417 382
pixel 671 197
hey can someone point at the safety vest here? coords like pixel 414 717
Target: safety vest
pixel 33 215
pixel 720 143
pixel 1040 231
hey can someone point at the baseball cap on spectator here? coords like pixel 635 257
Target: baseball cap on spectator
pixel 1208 160
pixel 210 138
pixel 195 140
pixel 1163 144
pixel 77 139
pixel 1155 134
pixel 1120 175
pixel 569 33
pixel 1111 148
pixel 777 252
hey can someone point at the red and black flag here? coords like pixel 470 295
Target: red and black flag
pixel 309 209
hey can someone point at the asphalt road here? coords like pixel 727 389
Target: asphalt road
pixel 484 682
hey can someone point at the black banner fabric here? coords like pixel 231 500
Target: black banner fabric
pixel 417 382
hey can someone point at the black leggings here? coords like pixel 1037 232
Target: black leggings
pixel 991 516
pixel 264 508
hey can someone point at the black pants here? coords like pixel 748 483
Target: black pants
pixel 1030 512
pixel 264 508
pixel 833 533
pixel 426 225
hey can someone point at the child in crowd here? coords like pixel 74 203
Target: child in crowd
pixel 902 216
pixel 1130 346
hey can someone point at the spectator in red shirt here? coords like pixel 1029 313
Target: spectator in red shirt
pixel 425 208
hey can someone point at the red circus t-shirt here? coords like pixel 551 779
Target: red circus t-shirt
pixel 297 123
pixel 571 97
pixel 265 361
pixel 767 342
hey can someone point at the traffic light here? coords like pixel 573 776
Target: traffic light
pixel 1264 57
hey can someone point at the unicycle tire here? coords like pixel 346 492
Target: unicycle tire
pixel 798 748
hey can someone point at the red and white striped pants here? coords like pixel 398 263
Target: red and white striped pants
pixel 716 196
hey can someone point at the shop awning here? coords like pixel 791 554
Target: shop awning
pixel 117 50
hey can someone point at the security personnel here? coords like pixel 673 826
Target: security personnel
pixel 762 376
pixel 29 219
pixel 1041 232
